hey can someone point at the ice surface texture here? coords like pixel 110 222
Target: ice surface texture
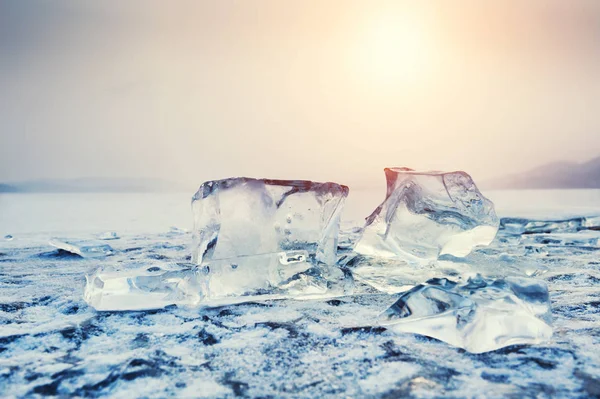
pixel 427 214
pixel 51 343
pixel 480 315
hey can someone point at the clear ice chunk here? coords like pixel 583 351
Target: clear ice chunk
pixel 109 288
pixel 253 240
pixel 479 315
pixel 85 249
pixel 108 235
pixel 243 217
pixel 267 237
pixel 428 214
pixel 393 275
pixel 288 274
pixel 8 237
pixel 532 226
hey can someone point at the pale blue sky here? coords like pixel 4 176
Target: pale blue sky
pixel 322 90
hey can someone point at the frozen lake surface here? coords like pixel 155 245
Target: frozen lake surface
pixel 52 343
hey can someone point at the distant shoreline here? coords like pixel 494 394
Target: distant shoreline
pixel 92 185
pixel 555 175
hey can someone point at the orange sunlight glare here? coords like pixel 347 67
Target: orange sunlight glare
pixel 394 49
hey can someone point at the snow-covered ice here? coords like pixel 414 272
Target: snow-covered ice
pixel 52 343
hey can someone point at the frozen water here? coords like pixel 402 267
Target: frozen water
pixel 53 344
pixel 258 237
pixel 253 240
pixel 8 237
pixel 244 217
pixel 479 315
pixel 109 288
pixel 108 235
pixel 427 214
pixel 571 225
pixel 587 238
pixel 265 277
pixel 86 249
pixel 395 275
pixel 259 275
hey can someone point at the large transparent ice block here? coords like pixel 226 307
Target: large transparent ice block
pixel 244 217
pixel 479 315
pixel 264 237
pixel 428 214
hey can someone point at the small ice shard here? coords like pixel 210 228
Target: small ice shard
pixel 108 235
pixel 140 289
pixel 480 315
pixel 175 232
pixel 259 237
pixel 85 249
pixel 8 237
pixel 519 226
pixel 428 214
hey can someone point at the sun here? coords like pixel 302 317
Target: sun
pixel 393 48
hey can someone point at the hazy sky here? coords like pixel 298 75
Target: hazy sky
pixel 322 90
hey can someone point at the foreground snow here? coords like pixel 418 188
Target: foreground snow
pixel 52 343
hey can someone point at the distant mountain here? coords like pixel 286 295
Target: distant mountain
pixel 552 175
pixel 8 188
pixel 88 185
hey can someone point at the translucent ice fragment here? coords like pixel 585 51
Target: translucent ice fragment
pixel 546 226
pixel 242 217
pixel 86 249
pixel 219 282
pixel 394 275
pixel 253 240
pixel 281 236
pixel 480 315
pixel 140 289
pixel 592 222
pixel 427 214
pixel 583 238
pixel 8 237
pixel 108 235
pixel 279 275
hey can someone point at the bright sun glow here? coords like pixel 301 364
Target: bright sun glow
pixel 394 49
